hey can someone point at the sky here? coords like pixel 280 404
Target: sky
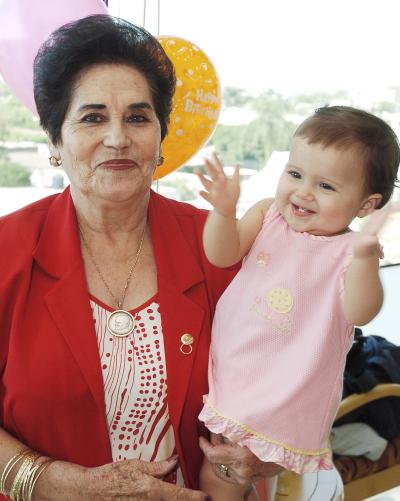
pixel 287 45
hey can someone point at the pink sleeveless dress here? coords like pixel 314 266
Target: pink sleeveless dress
pixel 279 344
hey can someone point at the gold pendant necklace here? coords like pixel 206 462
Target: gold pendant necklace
pixel 120 323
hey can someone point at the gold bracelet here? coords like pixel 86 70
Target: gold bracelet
pixel 26 476
pixel 8 467
pixel 36 473
pixel 27 481
pixel 21 475
pixel 16 485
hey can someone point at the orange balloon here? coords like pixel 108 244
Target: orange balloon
pixel 196 103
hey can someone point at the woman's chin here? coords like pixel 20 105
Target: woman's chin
pixel 122 190
pixel 118 196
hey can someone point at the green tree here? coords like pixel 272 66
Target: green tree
pixel 384 107
pixel 17 123
pixel 14 175
pixel 234 97
pixel 256 140
pixel 277 119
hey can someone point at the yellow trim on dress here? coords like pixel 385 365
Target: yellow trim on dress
pixel 264 437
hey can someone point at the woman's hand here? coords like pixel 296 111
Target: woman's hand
pixel 243 466
pixel 222 192
pixel 130 480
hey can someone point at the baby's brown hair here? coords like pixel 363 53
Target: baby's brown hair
pixel 346 127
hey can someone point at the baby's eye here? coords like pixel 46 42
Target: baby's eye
pixel 92 118
pixel 327 186
pixel 295 174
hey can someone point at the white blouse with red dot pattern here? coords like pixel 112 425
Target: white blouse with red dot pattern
pixel 135 386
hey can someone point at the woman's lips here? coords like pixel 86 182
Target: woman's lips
pixel 118 163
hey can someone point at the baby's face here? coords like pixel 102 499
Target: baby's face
pixel 321 190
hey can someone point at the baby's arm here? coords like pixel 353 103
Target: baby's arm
pixel 363 292
pixel 226 241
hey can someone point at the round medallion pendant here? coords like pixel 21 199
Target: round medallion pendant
pixel 121 323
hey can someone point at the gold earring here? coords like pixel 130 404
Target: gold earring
pixel 54 162
pixel 160 161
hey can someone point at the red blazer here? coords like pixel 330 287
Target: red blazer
pixel 51 389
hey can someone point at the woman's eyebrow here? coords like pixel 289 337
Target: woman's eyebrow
pixel 141 105
pixel 91 107
pixel 133 106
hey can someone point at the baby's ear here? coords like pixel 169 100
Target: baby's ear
pixel 369 204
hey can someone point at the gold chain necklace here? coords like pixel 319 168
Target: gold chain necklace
pixel 120 322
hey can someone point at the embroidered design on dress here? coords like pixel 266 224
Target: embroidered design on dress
pixel 280 301
pixel 263 259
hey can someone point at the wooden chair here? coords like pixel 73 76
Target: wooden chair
pixel 362 478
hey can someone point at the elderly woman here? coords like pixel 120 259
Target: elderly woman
pixel 105 293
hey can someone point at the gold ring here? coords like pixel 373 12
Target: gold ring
pixel 224 469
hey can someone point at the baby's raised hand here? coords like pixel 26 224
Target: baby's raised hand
pixel 367 243
pixel 222 192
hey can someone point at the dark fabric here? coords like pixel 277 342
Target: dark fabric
pixel 370 361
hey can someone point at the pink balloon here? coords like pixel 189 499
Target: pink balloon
pixel 24 25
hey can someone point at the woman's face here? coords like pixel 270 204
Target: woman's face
pixel 110 138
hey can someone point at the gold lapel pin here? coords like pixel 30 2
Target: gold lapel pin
pixel 186 346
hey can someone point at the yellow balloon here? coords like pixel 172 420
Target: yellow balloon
pixel 196 103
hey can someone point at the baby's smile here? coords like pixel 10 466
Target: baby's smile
pixel 301 210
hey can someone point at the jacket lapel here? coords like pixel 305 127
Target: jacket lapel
pixel 178 271
pixel 58 254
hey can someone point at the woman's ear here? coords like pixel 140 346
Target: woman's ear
pixel 53 149
pixel 369 204
pixel 55 157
